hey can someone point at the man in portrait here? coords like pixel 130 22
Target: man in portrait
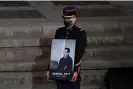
pixel 66 62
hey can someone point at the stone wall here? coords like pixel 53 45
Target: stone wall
pixel 25 52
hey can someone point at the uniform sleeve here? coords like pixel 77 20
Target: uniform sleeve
pixel 56 34
pixel 80 49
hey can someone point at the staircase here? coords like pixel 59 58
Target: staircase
pixel 25 49
pixel 17 9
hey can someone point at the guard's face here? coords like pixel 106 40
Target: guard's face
pixel 66 53
pixel 71 19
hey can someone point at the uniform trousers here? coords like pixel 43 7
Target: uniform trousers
pixel 68 85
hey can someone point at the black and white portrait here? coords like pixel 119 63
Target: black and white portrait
pixel 62 59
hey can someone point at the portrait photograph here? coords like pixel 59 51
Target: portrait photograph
pixel 62 59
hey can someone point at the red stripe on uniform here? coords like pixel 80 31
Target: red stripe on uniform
pixel 69 10
pixel 78 70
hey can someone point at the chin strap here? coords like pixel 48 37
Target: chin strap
pixel 69 28
pixel 78 63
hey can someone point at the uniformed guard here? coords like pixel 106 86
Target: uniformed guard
pixel 71 31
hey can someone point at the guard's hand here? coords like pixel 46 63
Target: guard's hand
pixel 47 75
pixel 74 78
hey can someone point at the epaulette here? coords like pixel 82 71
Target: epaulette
pixel 60 28
pixel 81 29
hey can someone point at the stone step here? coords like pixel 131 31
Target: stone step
pixel 41 86
pixel 25 39
pixel 109 52
pixel 10 10
pixel 14 3
pixel 101 39
pixel 22 22
pixel 42 64
pixel 90 25
pixel 92 7
pixel 94 11
pixel 53 86
pixel 9 5
pixel 10 14
pixel 25 54
pixel 21 30
pixel 21 42
pixel 116 38
pixel 106 26
pixel 3 8
pixel 37 53
pixel 19 53
pixel 23 65
pixel 37 80
pixel 111 20
pixel 97 12
pixel 81 3
pixel 47 29
pixel 109 37
pixel 49 86
pixel 94 39
pixel 104 63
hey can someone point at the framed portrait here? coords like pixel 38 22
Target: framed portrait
pixel 62 59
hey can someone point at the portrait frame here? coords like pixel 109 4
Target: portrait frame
pixel 62 59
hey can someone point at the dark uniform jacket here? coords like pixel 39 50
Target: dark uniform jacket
pixel 65 65
pixel 81 41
